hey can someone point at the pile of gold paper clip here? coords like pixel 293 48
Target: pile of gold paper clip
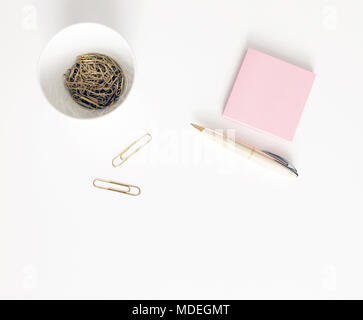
pixel 95 81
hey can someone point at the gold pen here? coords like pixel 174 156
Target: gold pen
pixel 264 158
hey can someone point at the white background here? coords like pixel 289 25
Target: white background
pixel 207 224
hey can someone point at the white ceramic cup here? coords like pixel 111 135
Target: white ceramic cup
pixel 60 54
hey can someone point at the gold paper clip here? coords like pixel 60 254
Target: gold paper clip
pixel 128 188
pixel 120 158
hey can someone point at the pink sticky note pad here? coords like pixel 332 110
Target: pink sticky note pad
pixel 269 94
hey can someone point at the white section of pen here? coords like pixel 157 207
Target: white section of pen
pixel 248 152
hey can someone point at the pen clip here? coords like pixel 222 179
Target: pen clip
pixel 282 161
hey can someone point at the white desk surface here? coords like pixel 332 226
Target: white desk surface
pixel 207 224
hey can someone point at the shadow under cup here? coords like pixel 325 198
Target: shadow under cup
pixel 60 54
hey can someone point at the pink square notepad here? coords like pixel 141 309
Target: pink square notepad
pixel 269 94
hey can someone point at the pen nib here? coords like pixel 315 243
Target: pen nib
pixel 200 128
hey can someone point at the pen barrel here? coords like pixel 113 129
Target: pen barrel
pixel 248 152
